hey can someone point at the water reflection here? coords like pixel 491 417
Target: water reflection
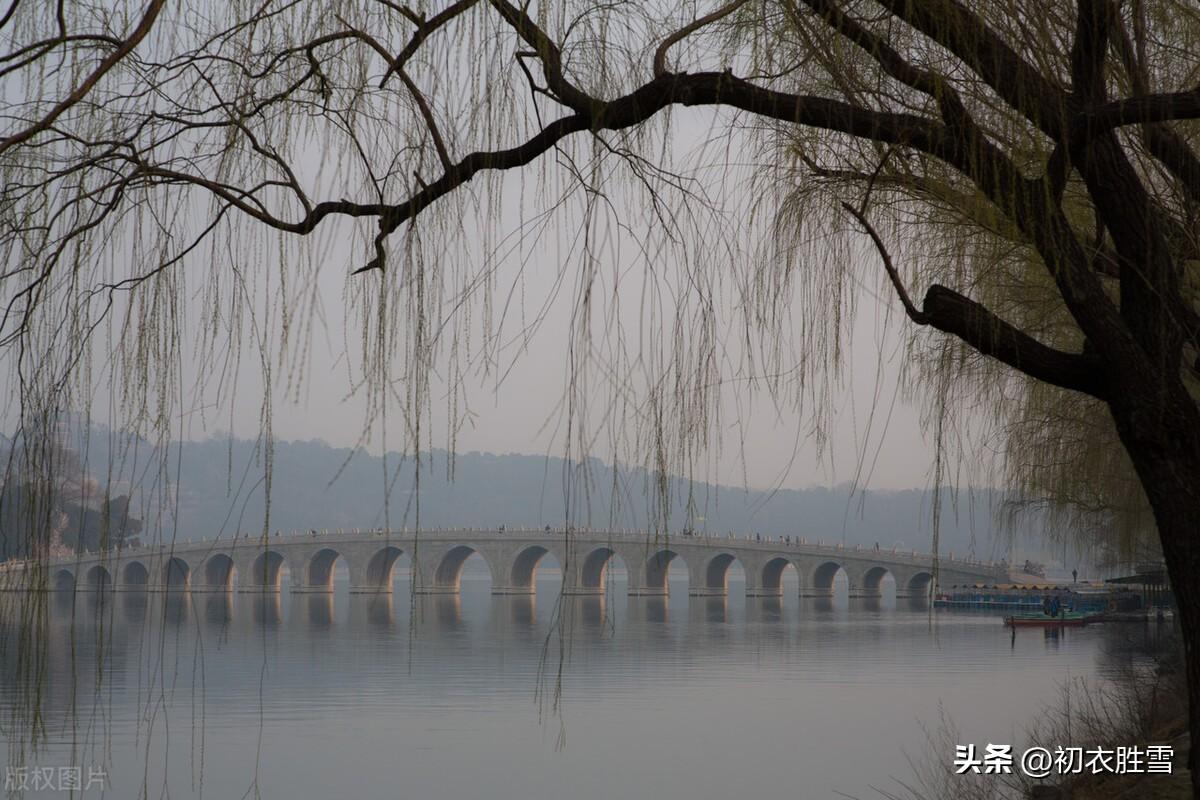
pixel 380 610
pixel 653 610
pixel 714 610
pixel 438 613
pixel 591 610
pixel 218 608
pixel 517 612
pixel 744 696
pixel 764 609
pixel 60 600
pixel 1053 637
pixel 266 608
pixel 318 609
pixel 177 608
pixel 823 606
pixel 915 603
pixel 872 604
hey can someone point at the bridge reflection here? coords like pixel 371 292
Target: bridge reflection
pixel 132 632
pixel 445 612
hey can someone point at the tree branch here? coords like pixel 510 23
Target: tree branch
pixel 427 115
pixel 660 54
pixel 1159 107
pixel 910 308
pixel 706 88
pixel 958 315
pixel 424 29
pixel 1093 25
pixel 85 86
pixel 551 57
pixel 962 32
pixel 1171 149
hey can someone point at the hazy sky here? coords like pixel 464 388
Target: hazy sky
pixel 761 445
pixel 539 278
pixel 513 418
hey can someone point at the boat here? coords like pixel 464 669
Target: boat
pixel 1068 619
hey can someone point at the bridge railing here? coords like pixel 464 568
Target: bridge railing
pixel 772 543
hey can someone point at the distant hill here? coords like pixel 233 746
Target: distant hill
pixel 220 488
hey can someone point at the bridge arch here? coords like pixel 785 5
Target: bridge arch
pixel 716 572
pixel 219 570
pixel 99 579
pixel 824 575
pixel 320 568
pixel 135 574
pixel 447 576
pixel 176 573
pixel 381 567
pixel 593 569
pixel 523 574
pixel 657 568
pixel 64 581
pixel 267 570
pixel 773 572
pixel 873 579
pixel 919 584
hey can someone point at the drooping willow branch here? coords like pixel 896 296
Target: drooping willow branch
pixel 123 49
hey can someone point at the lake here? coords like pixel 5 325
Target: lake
pixel 516 697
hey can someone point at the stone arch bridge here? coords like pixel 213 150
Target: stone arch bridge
pixel 256 564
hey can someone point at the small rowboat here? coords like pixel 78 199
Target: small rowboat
pixel 1069 619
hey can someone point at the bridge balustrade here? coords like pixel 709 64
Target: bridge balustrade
pixel 258 563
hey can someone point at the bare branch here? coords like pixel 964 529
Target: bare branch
pixel 660 55
pixel 427 114
pixel 551 57
pixel 1171 149
pixel 915 314
pixel 423 31
pixel 86 85
pixel 962 32
pixel 1158 107
pixel 956 314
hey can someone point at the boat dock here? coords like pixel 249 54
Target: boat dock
pixel 1027 597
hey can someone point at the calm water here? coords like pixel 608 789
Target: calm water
pixel 311 696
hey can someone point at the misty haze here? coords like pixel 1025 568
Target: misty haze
pixel 480 398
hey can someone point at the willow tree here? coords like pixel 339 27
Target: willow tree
pixel 1027 169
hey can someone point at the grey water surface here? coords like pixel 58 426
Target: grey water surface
pixel 317 696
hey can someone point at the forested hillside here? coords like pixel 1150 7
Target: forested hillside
pixel 218 486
